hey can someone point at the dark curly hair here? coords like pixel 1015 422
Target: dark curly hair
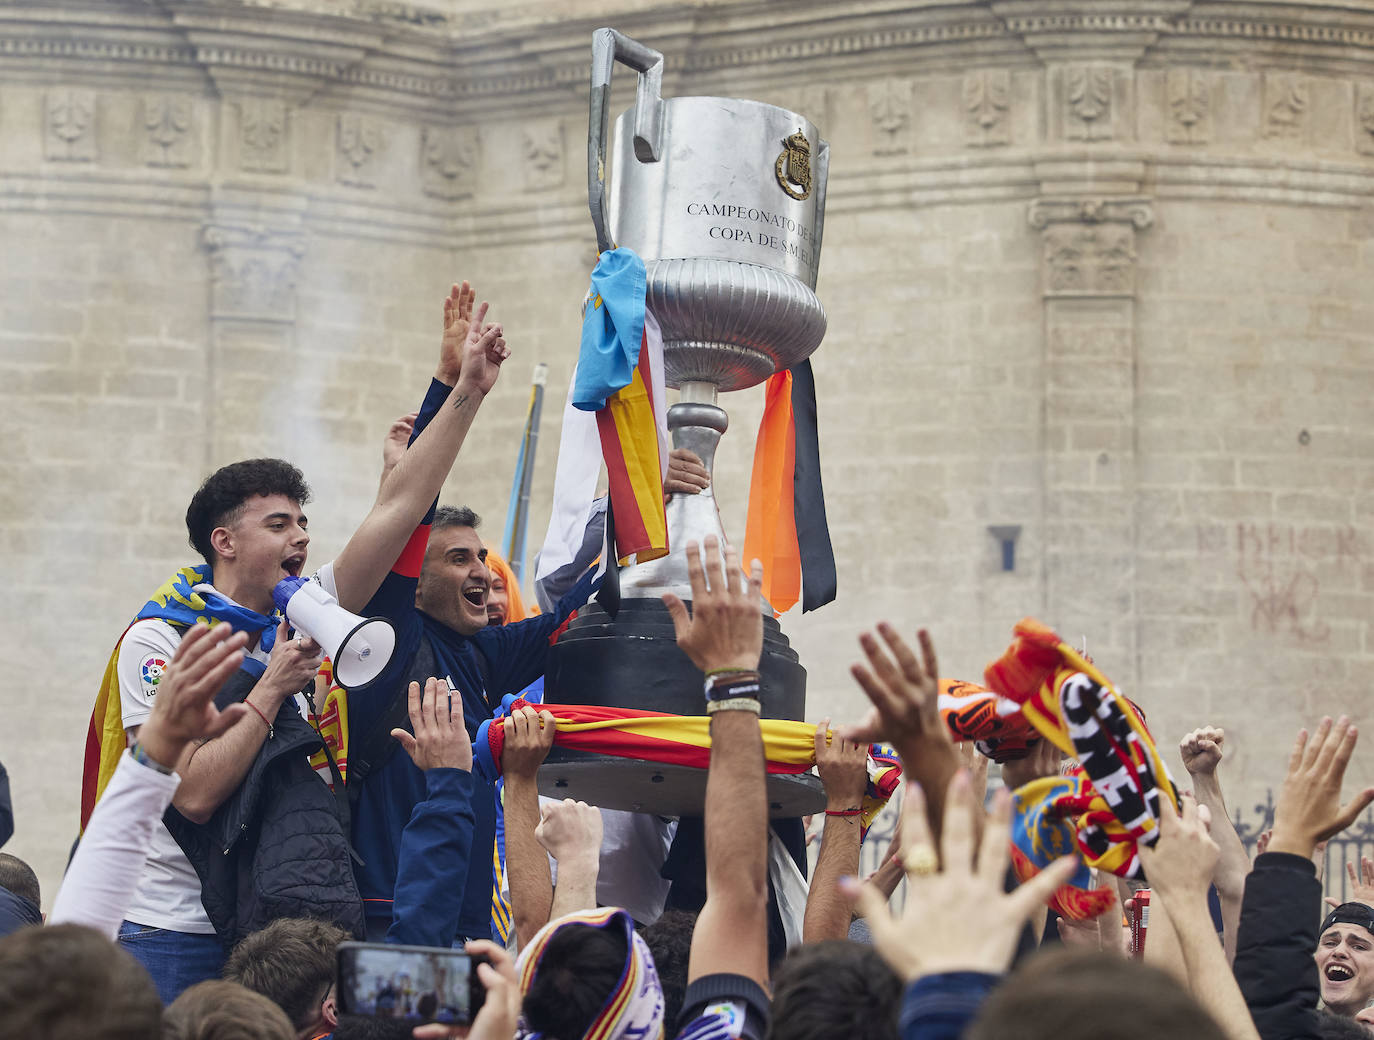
pixel 221 499
pixel 670 941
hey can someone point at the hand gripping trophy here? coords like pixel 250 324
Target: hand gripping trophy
pixel 724 200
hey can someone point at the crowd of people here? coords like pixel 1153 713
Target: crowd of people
pixel 231 848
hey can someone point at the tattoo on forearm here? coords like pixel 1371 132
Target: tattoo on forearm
pixel 460 400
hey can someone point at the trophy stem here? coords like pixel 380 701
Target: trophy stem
pixel 697 391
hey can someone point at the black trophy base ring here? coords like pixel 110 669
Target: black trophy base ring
pixel 637 785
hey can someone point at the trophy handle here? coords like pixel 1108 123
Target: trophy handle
pixel 608 47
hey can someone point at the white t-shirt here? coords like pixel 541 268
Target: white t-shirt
pixel 168 894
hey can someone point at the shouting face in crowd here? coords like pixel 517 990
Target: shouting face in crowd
pixel 266 542
pixel 498 601
pixel 1345 961
pixel 455 582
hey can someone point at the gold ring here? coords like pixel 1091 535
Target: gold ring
pixel 921 861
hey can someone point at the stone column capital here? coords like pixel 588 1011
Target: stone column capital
pixel 1137 211
pixel 254 271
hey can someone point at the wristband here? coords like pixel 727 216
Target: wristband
pixel 140 755
pixel 734 704
pixel 736 684
pixel 271 730
pixel 729 671
pixel 844 812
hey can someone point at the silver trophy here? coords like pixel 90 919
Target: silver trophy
pixel 724 200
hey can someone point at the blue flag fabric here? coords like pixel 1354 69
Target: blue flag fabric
pixel 612 329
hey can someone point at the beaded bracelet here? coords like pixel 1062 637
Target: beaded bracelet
pixel 734 704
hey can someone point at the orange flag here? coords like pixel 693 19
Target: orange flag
pixel 771 530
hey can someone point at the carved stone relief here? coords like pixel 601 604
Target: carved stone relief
pixel 1188 100
pixel 262 135
pixel 1286 98
pixel 987 101
pixel 1088 248
pixel 69 131
pixel 167 125
pixel 1088 102
pixel 359 144
pixel 448 161
pixel 1364 118
pixel 889 106
pixel 254 272
pixel 542 151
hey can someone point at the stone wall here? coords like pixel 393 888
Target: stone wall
pixel 1097 271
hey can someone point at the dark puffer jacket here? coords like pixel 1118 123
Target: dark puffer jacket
pixel 278 847
pixel 1279 919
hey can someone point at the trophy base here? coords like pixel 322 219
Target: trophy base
pixel 635 785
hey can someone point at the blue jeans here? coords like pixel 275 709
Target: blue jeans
pixel 175 960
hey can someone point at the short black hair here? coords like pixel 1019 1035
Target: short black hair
pixel 670 941
pixel 220 500
pixel 454 516
pixel 579 969
pixel 19 878
pixel 834 989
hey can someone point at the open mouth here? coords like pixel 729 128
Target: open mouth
pixel 293 565
pixel 1338 973
pixel 476 595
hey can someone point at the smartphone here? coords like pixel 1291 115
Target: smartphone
pixel 415 984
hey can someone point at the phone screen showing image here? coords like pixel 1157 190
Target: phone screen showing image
pixel 410 983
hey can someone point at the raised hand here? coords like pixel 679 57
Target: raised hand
pixel 184 708
pixel 457 321
pixel 570 830
pixel 483 352
pixel 904 691
pixel 529 736
pixel 396 440
pixel 1309 808
pixel 842 766
pixel 1180 863
pixel 1201 750
pixel 724 631
pixel 957 918
pixel 441 739
pixel 1361 883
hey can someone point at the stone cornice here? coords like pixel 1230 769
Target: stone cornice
pixel 415 56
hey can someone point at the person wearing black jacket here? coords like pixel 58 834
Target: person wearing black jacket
pixel 1281 910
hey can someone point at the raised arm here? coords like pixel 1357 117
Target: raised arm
pixel 1282 906
pixel 471 354
pixel 1180 866
pixel 571 833
pixel 905 696
pixel 1202 751
pixel 529 735
pixel 723 636
pixel 843 768
pixel 432 865
pixel 211 770
pixel 104 872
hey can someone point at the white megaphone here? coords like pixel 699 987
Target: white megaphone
pixel 358 647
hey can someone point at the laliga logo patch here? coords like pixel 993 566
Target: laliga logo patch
pixel 153 669
pixel 729 1015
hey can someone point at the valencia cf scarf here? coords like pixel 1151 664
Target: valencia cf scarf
pixel 177 603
